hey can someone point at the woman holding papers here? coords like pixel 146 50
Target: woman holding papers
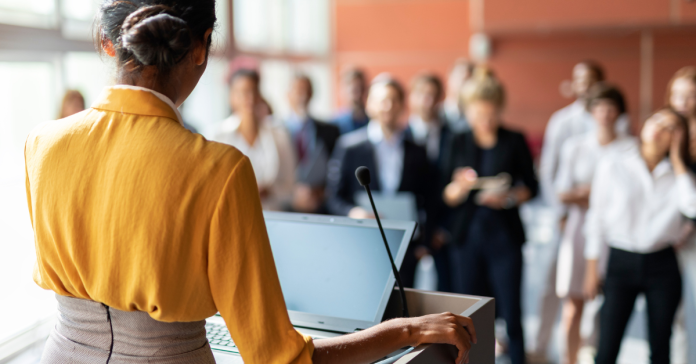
pixel 491 173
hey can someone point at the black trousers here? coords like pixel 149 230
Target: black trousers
pixel 489 263
pixel 628 274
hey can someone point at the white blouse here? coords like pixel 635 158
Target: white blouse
pixel 579 157
pixel 271 156
pixel 634 209
pixel 565 123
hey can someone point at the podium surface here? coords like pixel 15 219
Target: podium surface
pixel 481 310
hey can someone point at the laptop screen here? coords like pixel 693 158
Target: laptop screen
pixel 333 270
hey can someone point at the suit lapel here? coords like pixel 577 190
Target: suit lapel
pixel 370 161
pixel 407 166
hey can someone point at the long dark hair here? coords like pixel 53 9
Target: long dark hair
pixel 684 124
pixel 156 33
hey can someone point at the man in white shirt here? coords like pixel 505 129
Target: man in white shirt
pixel 428 129
pixel 452 109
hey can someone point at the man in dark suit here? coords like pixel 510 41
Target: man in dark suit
pixel 314 142
pixel 429 130
pixel 397 164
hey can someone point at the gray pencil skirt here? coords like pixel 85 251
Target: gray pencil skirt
pixel 90 332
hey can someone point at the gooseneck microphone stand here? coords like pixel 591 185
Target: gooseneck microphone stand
pixel 363 176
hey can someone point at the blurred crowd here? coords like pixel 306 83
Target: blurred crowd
pixel 623 203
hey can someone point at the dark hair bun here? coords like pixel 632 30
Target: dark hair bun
pixel 156 37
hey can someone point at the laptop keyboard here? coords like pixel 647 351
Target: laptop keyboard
pixel 219 337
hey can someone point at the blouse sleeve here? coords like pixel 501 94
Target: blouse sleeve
pixel 564 177
pixel 686 195
pixel 525 165
pixel 548 163
pixel 243 278
pixel 599 200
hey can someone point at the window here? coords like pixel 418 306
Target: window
pixel 282 26
pixel 28 96
pixel 280 32
pixel 31 13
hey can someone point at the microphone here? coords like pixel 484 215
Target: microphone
pixel 363 176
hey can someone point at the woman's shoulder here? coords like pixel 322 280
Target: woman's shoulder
pixel 622 150
pixel 512 137
pixel 506 132
pixel 52 133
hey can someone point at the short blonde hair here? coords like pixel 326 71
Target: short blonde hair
pixel 483 86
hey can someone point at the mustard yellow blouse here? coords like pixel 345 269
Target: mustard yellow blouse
pixel 132 210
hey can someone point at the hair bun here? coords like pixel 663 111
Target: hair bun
pixel 156 37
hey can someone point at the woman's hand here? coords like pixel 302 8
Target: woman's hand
pixel 493 200
pixel 360 213
pixel 675 152
pixel 577 196
pixel 444 328
pixel 463 179
pixel 591 286
pixel 371 344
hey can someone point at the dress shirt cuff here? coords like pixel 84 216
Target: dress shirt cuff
pixel 593 248
pixel 687 188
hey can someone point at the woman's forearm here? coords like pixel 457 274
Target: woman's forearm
pixel 521 194
pixel 376 342
pixel 364 346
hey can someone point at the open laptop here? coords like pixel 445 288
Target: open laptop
pixel 334 272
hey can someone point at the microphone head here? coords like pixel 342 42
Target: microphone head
pixel 363 175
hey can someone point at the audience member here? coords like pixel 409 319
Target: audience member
pixel 638 199
pixel 353 89
pixel 427 129
pixel 73 102
pixel 486 257
pixel 268 146
pixel 397 164
pixel 313 141
pixel 452 108
pixel 579 157
pixel 681 96
pixel 569 121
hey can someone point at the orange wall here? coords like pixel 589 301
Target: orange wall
pixel 401 37
pixel 535 44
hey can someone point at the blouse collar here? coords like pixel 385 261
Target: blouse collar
pixel 137 100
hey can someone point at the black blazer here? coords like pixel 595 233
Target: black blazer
pixel 328 134
pixel 355 150
pixel 446 135
pixel 511 155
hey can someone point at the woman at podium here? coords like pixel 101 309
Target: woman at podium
pixel 144 229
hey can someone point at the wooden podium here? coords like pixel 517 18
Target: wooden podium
pixel 480 309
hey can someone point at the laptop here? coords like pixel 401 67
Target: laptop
pixel 334 272
pixel 395 206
